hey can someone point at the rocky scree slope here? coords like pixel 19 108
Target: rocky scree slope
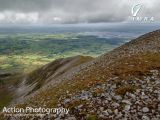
pixel 122 84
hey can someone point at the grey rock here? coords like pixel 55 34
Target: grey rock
pixel 127 102
pixel 101 108
pixel 105 113
pixel 66 101
pixel 132 95
pixel 143 93
pixel 144 97
pixel 116 111
pixel 115 105
pixel 145 109
pixel 109 98
pixel 109 111
pixel 106 101
pixel 124 118
pixel 58 119
pixel 156 91
pixel 119 115
pixel 102 116
pixel 112 94
pixel 113 86
pixel 145 117
pixel 127 108
pixel 118 97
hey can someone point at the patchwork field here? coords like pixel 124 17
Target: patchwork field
pixel 29 51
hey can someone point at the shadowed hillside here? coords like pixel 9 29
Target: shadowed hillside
pixel 44 75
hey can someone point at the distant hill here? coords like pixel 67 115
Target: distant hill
pixel 121 84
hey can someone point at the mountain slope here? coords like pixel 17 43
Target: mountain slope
pixel 38 78
pixel 122 84
pixel 8 84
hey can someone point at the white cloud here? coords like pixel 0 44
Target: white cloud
pixel 18 17
pixel 2 17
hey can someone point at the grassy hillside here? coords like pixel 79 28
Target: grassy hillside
pixel 8 84
pixel 125 68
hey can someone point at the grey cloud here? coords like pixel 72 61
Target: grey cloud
pixel 72 11
pixel 25 5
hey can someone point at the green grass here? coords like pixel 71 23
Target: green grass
pixel 6 92
pixel 22 62
pixel 92 117
pixel 5 98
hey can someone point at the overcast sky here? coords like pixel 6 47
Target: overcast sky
pixel 73 11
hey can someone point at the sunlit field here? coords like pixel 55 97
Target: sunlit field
pixel 29 51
